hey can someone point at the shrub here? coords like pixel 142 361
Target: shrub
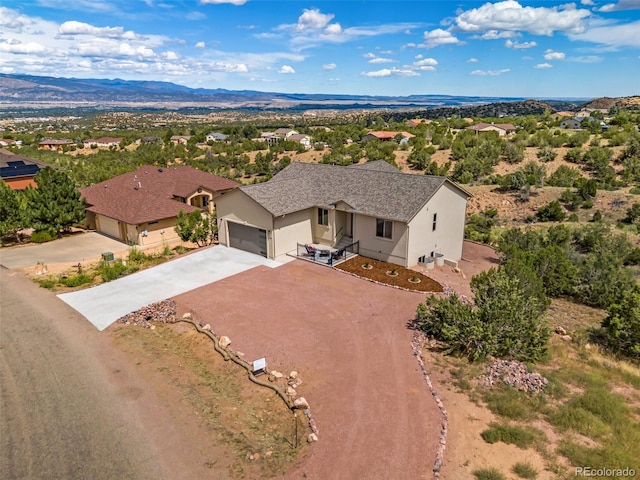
pixel 76 280
pixel 136 255
pixel 522 437
pixel 552 212
pixel 111 271
pixel 525 470
pixel 48 282
pixel 488 474
pixel 42 236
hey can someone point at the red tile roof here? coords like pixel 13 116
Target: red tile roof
pixel 147 194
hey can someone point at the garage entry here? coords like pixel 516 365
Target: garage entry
pixel 109 226
pixel 249 239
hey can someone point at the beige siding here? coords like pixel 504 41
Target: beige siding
pixel 155 235
pixel 450 205
pixel 237 206
pixel 392 250
pixel 292 229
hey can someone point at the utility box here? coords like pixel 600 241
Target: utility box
pixel 107 257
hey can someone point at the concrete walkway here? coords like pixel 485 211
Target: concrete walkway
pixel 81 247
pixel 104 304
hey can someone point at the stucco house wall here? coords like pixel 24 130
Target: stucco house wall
pixel 449 204
pixel 290 230
pixel 393 250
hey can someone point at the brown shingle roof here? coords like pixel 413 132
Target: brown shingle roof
pixel 481 126
pixel 147 194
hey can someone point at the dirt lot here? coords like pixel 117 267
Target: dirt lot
pixel 348 340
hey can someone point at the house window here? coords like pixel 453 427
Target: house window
pixel 435 220
pixel 323 216
pixel 384 228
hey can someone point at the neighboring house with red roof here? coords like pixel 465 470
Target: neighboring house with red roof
pixel 414 122
pixel 503 129
pixel 388 136
pixel 141 207
pixel 18 171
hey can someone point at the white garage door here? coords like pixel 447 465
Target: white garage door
pixel 249 239
pixel 109 226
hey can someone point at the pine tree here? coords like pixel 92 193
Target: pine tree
pixel 11 212
pixel 56 204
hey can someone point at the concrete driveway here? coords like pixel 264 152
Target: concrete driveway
pixel 76 248
pixel 104 304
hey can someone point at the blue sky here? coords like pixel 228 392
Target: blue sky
pixel 550 48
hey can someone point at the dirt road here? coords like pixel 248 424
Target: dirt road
pixel 72 407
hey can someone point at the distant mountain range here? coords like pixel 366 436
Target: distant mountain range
pixel 22 90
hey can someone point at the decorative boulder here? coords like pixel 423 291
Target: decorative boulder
pixel 225 341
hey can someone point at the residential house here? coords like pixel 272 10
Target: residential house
pixel 57 144
pixel 19 171
pixel 216 137
pixel 503 129
pixel 575 123
pixel 388 136
pixel 302 139
pixel 285 133
pixel 270 137
pixel 572 123
pixel 104 142
pixel 180 139
pixel 141 207
pixel 394 216
pixel 149 140
pixel 414 122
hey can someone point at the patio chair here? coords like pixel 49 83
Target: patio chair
pixel 338 254
pixel 311 250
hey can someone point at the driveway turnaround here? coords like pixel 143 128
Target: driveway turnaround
pixel 76 248
pixel 104 304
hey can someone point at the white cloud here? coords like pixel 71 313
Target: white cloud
pixel 543 66
pixel 169 55
pixel 369 55
pixel 587 2
pixel 80 28
pixel 12 46
pixel 615 36
pixel 385 72
pixel 12 20
pixel 491 73
pixel 509 15
pixel 585 59
pixel 426 62
pixel 333 29
pixel 495 35
pixel 329 66
pixel 518 45
pixel 200 45
pixel 621 5
pixel 381 60
pixel 313 19
pixel 472 60
pixel 438 37
pixel 286 69
pixel 388 72
pixel 218 2
pixel 553 55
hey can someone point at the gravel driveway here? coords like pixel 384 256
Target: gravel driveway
pixel 349 341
